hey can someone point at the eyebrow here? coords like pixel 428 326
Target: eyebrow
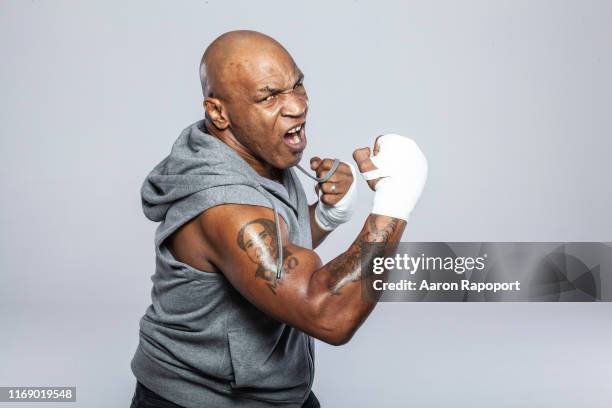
pixel 267 89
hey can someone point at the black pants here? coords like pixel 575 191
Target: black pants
pixel 145 398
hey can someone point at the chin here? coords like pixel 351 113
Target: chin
pixel 296 160
pixel 285 164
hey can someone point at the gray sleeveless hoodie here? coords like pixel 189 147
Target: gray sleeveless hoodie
pixel 201 343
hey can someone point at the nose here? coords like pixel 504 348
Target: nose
pixel 295 104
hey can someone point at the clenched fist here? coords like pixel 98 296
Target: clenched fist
pixel 337 195
pixel 334 189
pixel 397 171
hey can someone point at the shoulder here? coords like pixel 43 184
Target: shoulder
pixel 222 223
pixel 201 241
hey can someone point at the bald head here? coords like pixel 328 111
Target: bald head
pixel 232 52
pixel 253 96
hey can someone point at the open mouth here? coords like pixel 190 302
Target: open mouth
pixel 295 137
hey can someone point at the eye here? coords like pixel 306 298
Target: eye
pixel 299 88
pixel 268 98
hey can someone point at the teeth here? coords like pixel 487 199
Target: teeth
pixel 296 139
pixel 295 129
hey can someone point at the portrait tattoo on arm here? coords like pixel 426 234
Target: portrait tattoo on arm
pixel 257 239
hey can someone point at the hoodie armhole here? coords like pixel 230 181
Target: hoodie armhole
pixel 190 207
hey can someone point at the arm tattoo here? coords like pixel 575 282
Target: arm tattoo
pixel 346 268
pixel 258 239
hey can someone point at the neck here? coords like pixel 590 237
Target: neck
pixel 262 168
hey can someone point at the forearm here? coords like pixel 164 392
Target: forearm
pixel 318 234
pixel 337 286
pixel 323 301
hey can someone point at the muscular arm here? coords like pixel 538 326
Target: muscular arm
pixel 324 301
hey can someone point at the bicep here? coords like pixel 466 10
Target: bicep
pixel 244 247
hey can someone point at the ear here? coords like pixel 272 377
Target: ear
pixel 216 112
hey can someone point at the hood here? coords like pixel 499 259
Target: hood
pixel 199 161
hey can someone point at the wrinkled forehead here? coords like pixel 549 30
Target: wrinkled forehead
pixel 254 69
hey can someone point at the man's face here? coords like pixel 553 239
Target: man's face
pixel 259 244
pixel 267 104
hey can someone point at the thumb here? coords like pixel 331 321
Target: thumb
pixel 362 158
pixel 315 162
pixel 364 163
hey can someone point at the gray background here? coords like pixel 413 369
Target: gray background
pixel 510 100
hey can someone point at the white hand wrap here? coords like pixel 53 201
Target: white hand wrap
pixel 328 217
pixel 403 168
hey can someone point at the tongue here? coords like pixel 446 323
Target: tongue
pixel 292 138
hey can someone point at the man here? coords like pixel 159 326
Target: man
pixel 238 292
